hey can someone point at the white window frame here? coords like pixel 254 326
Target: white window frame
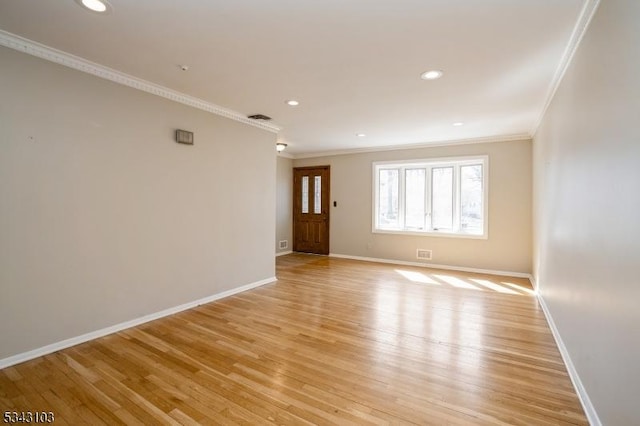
pixel 429 164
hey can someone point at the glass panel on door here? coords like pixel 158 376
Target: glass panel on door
pixel 305 194
pixel 317 189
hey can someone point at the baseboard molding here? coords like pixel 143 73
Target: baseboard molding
pixel 283 253
pixel 45 350
pixel 534 283
pixel 434 266
pixel 588 407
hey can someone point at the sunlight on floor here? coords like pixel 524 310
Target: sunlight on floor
pixel 469 284
pixel 519 288
pixel 456 282
pixel 493 286
pixel 417 277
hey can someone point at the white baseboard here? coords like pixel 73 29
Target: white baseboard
pixel 434 266
pixel 282 253
pixel 588 407
pixel 534 283
pixel 45 350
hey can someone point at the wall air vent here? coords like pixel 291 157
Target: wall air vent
pixel 423 254
pixel 184 136
pixel 259 117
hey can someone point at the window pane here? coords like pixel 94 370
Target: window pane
pixel 305 194
pixel 317 205
pixel 442 198
pixel 415 198
pixel 471 199
pixel 388 212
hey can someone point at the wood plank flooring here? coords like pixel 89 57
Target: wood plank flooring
pixel 334 341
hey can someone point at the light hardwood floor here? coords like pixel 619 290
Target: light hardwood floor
pixel 334 341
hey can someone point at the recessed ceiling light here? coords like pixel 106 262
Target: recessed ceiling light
pixel 458 123
pixel 99 6
pixel 360 135
pixel 292 102
pixel 431 75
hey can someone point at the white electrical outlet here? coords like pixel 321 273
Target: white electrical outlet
pixel 423 254
pixel 284 244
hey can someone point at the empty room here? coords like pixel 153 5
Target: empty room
pixel 319 213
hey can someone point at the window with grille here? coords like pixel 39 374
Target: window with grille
pixel 445 197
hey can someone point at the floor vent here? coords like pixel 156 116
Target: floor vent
pixel 423 254
pixel 284 244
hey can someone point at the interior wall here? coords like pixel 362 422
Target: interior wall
pixel 104 218
pixel 284 203
pixel 587 205
pixel 508 247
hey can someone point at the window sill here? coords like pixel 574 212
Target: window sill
pixel 432 234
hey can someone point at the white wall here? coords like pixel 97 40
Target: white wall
pixel 508 247
pixel 284 202
pixel 587 211
pixel 104 218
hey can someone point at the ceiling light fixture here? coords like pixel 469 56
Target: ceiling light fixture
pixel 431 75
pixel 458 123
pixel 280 146
pixel 292 102
pixel 98 6
pixel 360 135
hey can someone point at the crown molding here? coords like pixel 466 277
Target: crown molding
pixel 587 13
pixel 42 51
pixel 487 139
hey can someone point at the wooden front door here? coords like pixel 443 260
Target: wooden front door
pixel 311 209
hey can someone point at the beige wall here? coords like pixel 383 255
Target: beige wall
pixel 104 218
pixel 587 211
pixel 284 206
pixel 508 247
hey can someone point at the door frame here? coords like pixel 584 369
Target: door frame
pixel 326 186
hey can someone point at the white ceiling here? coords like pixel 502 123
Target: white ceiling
pixel 354 65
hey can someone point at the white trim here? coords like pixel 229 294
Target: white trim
pixel 433 266
pixel 588 10
pixel 534 283
pixel 436 234
pixel 436 161
pixel 26 356
pixel 520 137
pixel 38 50
pixel 588 407
pixel 283 253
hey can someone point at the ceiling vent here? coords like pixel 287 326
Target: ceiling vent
pixel 259 117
